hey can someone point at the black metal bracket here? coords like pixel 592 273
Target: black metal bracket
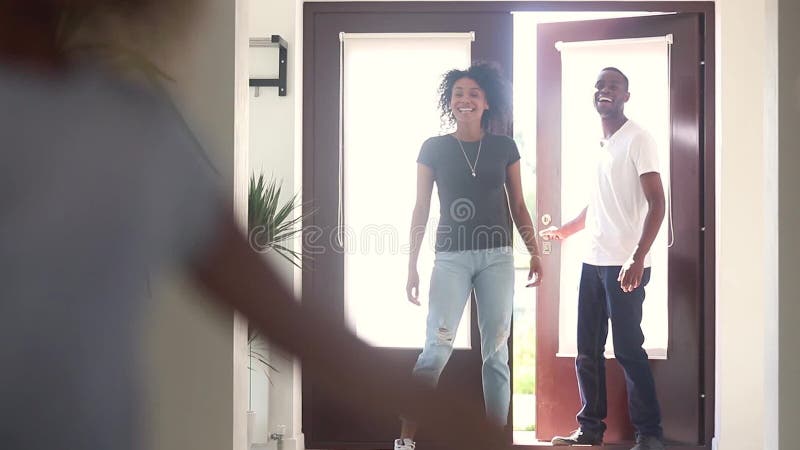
pixel 280 82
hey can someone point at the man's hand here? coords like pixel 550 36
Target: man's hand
pixel 554 233
pixel 412 286
pixel 630 276
pixel 535 272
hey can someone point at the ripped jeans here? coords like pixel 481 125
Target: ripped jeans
pixel 491 273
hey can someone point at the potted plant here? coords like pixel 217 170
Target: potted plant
pixel 272 225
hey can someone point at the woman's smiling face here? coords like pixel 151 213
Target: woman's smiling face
pixel 468 101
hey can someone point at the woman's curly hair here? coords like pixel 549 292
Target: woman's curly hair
pixel 496 88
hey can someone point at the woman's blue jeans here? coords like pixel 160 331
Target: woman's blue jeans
pixel 601 298
pixel 491 273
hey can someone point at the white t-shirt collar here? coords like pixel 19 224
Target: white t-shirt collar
pixel 606 142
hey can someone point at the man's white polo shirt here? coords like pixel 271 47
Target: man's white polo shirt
pixel 617 205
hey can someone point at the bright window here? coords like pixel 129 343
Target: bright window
pixel 646 63
pixel 389 107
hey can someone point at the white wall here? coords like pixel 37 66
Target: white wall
pixel 196 392
pixel 745 202
pixel 272 152
pixel 271 116
pixel 757 249
pixel 772 310
pixel 741 286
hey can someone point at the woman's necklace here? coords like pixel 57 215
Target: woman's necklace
pixel 472 167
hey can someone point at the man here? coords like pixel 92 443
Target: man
pixel 625 211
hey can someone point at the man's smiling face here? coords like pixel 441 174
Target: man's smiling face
pixel 611 93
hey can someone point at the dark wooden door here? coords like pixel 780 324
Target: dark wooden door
pixel 326 425
pixel 679 377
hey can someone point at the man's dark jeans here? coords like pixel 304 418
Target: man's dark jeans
pixel 600 298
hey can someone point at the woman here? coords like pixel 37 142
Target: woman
pixel 478 178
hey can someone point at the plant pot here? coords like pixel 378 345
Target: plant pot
pixel 251 428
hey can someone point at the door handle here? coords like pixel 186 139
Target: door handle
pixel 546 220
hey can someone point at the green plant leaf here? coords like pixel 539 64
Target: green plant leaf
pixel 273 224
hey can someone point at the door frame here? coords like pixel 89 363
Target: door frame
pixel 312 10
pixel 325 424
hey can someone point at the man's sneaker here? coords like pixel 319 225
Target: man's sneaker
pixel 403 444
pixel 648 443
pixel 579 437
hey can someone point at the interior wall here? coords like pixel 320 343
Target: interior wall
pixel 271 116
pixel 771 418
pixel 194 350
pixel 741 281
pixel 272 143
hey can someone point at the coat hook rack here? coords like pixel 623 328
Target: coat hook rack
pixel 280 82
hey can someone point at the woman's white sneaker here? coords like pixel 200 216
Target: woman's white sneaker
pixel 403 444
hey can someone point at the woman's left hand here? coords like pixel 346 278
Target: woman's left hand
pixel 535 273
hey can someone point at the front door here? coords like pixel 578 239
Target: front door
pixel 679 375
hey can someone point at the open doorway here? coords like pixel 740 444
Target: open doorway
pixel 526 26
pixel 662 54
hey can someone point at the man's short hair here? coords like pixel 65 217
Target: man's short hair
pixel 614 69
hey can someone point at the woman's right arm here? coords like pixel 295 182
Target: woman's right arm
pixel 419 219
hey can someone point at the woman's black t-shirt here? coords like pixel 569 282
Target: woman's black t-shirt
pixel 474 211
